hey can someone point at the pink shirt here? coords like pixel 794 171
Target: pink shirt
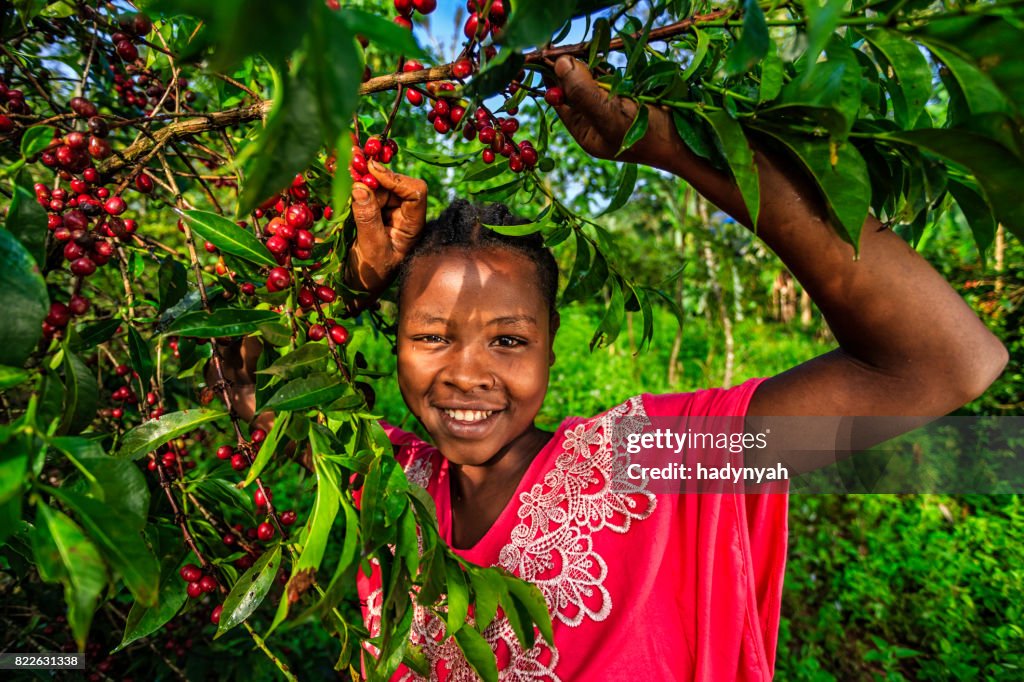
pixel 670 587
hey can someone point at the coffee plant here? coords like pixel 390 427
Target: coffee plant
pixel 176 176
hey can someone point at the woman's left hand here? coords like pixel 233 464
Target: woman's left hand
pixel 599 123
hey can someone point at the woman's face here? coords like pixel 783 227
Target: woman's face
pixel 474 349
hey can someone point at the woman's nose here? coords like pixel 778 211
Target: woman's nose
pixel 468 370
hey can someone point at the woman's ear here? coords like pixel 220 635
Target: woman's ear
pixel 556 320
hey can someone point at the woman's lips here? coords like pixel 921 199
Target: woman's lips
pixel 468 422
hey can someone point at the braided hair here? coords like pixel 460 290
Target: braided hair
pixel 461 226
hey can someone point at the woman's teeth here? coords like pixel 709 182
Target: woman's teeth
pixel 468 415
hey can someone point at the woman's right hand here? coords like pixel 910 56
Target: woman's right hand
pixel 388 224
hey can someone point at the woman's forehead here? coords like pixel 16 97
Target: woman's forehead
pixel 492 278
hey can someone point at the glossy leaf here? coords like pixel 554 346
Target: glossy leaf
pixel 145 620
pixel 772 73
pixel 325 509
pixel 250 590
pixel 911 71
pixel 842 176
pixel 172 283
pixel 12 376
pixel 84 574
pixel 611 323
pixel 458 596
pixel 753 43
pixel 740 158
pixel 227 236
pixel 383 33
pixel 478 654
pixel 533 601
pixel 822 18
pixel 999 174
pixel 35 140
pixel 637 129
pixel 90 335
pixel 268 447
pixel 625 184
pixel 142 360
pixel 532 22
pixel 977 212
pixel 26 219
pixel 122 545
pixel 286 146
pixel 487 590
pixel 80 395
pixel 23 291
pixel 148 436
pixel 981 93
pixel 223 322
pixel 304 360
pixel 334 64
pixel 318 390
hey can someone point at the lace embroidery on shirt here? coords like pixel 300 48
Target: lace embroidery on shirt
pixel 552 546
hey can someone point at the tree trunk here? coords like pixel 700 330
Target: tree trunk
pixel 1000 257
pixel 806 309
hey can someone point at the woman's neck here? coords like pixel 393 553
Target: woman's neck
pixel 500 475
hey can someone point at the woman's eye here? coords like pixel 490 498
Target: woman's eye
pixel 429 338
pixel 509 342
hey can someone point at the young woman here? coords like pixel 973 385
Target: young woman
pixel 667 586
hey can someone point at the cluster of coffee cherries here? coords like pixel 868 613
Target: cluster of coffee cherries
pixel 376 148
pixel 406 8
pixel 12 101
pixel 480 24
pixel 199 583
pixel 131 29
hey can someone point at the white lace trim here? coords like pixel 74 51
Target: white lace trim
pixel 587 491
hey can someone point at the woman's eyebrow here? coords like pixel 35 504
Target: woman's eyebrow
pixel 426 318
pixel 515 320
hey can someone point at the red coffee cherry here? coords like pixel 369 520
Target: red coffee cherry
pixel 257 436
pixel 288 517
pixel 265 531
pixel 278 279
pixel 215 614
pixel 194 589
pixel 225 452
pixel 144 183
pixel 554 96
pixel 115 206
pixel 190 573
pixel 127 51
pixel 412 65
pixel 462 68
pixel 424 6
pixel 339 335
pixel 208 583
pixel 238 462
pixel 325 294
pixel 316 332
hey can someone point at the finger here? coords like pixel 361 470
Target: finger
pixel 403 186
pixel 586 102
pixel 408 218
pixel 366 213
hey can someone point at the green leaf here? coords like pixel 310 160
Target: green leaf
pixel 222 322
pixel 80 395
pixel 302 361
pixel 822 18
pixel 26 219
pixel 588 275
pixel 250 590
pixel 458 596
pixel 977 212
pixel 384 34
pixel 626 183
pixel 227 236
pixel 910 69
pixel 24 297
pixel 533 22
pixel 335 66
pixel 239 28
pixel 318 390
pixel 268 447
pixel 286 146
pixel 740 158
pixel 611 323
pixel 637 129
pixel 772 73
pixel 84 574
pixel 478 653
pixel 753 43
pixel 443 160
pixel 532 600
pixel 999 173
pixel 696 138
pixel 981 93
pixel 150 435
pixel 142 359
pixel 145 620
pixel 844 184
pixel 36 139
pixel 481 172
pixel 835 84
pixel 88 336
pixel 172 283
pixel 12 376
pixel 487 590
pixel 321 517
pixel 121 544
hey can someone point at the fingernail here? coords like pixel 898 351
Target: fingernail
pixel 564 65
pixel 361 193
